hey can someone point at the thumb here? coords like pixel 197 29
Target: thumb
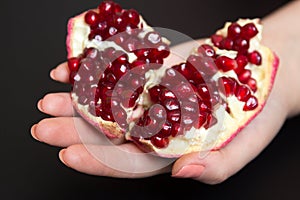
pixel 215 167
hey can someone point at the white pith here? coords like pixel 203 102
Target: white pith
pixel 193 139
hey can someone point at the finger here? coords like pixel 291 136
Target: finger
pixel 56 104
pixel 217 166
pixel 66 131
pixel 125 161
pixel 61 73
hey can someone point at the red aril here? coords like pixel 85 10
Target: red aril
pixel 123 86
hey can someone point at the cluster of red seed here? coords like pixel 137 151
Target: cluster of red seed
pixel 237 39
pixel 110 19
pixel 108 83
pixel 180 102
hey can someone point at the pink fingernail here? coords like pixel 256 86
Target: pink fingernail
pixel 61 156
pixel 39 105
pixel 189 171
pixel 52 74
pixel 33 132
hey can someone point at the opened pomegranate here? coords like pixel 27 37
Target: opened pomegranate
pixel 123 87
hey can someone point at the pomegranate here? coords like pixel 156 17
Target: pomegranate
pixel 122 86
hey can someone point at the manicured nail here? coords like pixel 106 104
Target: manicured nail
pixel 39 105
pixel 33 132
pixel 61 156
pixel 52 74
pixel 189 171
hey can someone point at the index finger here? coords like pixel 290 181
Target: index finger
pixel 61 73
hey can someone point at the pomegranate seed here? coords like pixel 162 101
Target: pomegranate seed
pixel 203 91
pixel 244 76
pixel 230 85
pixel 154 93
pixel 120 38
pixel 107 116
pixel 132 17
pixel 123 59
pixel 252 84
pixel 242 93
pixel 185 69
pixel 255 58
pixel 204 106
pixel 234 30
pixel 226 43
pixel 206 50
pixel 165 130
pixel 159 142
pixel 152 38
pixel 74 63
pixel 241 45
pixel 211 120
pixel 169 77
pixel 131 44
pixel 91 18
pixel 202 119
pixel 176 129
pixel 106 8
pixel 173 116
pixel 184 90
pixel 225 63
pixel 119 70
pixel 166 94
pixel 251 103
pixel 242 61
pixel 157 112
pixel 91 53
pixel 142 53
pixel 129 98
pixel 109 77
pixel 161 51
pixel 188 121
pixel 216 39
pixel 117 8
pixel 249 31
pixel 105 89
pixel 189 107
pixel 171 104
pixel 138 63
pixel 206 67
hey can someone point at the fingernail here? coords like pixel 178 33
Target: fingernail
pixel 52 74
pixel 189 171
pixel 61 156
pixel 39 105
pixel 33 132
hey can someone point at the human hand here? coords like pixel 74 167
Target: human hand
pixel 216 167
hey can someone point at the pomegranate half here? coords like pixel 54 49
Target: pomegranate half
pixel 122 86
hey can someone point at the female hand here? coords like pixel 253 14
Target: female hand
pixel 85 151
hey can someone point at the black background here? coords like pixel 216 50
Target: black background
pixel 33 42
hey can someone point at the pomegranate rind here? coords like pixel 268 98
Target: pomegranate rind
pixel 77 32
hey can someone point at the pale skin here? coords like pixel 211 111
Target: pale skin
pixel 281 34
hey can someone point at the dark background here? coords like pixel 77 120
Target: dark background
pixel 33 42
